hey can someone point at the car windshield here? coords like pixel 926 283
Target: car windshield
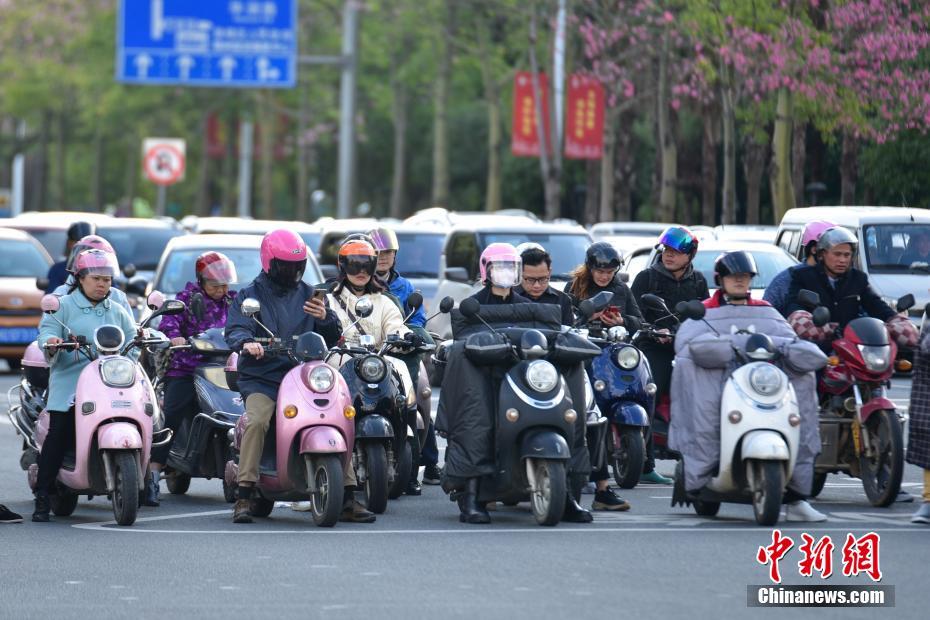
pixel 419 254
pixel 769 262
pixel 178 269
pixel 312 239
pixel 21 259
pixel 138 245
pixel 567 249
pixel 52 239
pixel 894 247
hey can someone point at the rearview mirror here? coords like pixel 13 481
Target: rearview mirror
pixel 197 306
pixel 50 304
pixel 364 307
pixel 129 270
pixel 155 300
pixel 602 300
pixel 906 303
pixel 42 284
pixel 446 305
pixel 654 302
pixel 470 307
pixel 173 306
pixel 415 300
pixel 251 307
pixel 820 316
pixel 808 299
pixel 694 310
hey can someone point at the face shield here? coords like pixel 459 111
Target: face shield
pixel 505 274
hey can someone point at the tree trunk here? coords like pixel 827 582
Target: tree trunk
pixel 849 169
pixel 798 160
pixel 606 209
pixel 61 182
pixel 550 163
pixel 591 198
pixel 728 204
pixel 96 185
pixel 754 156
pixel 266 144
pixel 203 175
pixel 709 166
pixel 492 98
pixel 229 165
pixel 440 193
pixel 399 108
pixel 780 176
pixel 624 171
pixel 40 182
pixel 131 180
pixel 668 147
pixel 303 171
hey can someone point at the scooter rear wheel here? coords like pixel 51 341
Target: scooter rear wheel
pixel 64 502
pixel 125 495
pixel 178 483
pixel 548 499
pixel 326 501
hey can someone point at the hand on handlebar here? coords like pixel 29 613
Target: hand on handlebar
pixel 178 342
pixel 254 349
pixel 663 340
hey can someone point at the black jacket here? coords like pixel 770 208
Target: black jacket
pixel 282 312
pixel 659 281
pixel 852 294
pixel 486 298
pixel 623 299
pixel 553 296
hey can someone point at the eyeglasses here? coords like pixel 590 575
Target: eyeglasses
pixel 536 281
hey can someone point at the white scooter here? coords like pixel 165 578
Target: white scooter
pixel 759 429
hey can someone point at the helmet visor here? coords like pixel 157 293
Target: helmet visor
pixel 220 272
pixel 355 264
pixel 505 274
pixel 384 239
pixel 96 263
pixel 677 239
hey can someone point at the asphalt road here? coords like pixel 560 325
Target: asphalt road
pixel 187 558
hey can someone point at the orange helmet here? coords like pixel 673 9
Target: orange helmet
pixel 357 256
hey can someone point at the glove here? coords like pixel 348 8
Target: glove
pixel 802 323
pixel 902 331
pixel 413 339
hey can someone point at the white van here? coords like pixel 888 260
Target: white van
pixel 891 240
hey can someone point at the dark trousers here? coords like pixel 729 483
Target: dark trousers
pixel 58 441
pixel 430 453
pixel 180 403
pixel 660 363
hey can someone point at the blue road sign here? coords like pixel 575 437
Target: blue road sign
pixel 222 43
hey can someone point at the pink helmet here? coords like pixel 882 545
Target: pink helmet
pixel 499 253
pixel 813 230
pixel 95 263
pixel 89 242
pixel 284 245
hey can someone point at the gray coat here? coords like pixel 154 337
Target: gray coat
pixel 696 392
pixel 918 429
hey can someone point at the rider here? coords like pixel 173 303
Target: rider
pixel 499 270
pixel 90 242
pixel 57 273
pixel 83 311
pixel 386 245
pixel 214 273
pixel 288 309
pixel 776 293
pixel 599 273
pixel 733 274
pixel 537 273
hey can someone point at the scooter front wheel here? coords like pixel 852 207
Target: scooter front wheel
pixel 64 502
pixel 768 484
pixel 178 482
pixel 629 456
pixel 376 480
pixel 327 476
pixel 882 469
pixel 549 495
pixel 125 495
pixel 402 472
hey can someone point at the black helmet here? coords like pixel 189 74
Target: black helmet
pixel 729 263
pixel 79 230
pixel 602 255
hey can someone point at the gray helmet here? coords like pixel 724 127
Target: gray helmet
pixel 835 236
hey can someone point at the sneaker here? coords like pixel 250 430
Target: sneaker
pixel 904 498
pixel 413 488
pixel 655 477
pixel 302 506
pixel 432 474
pixel 241 512
pixel 803 511
pixel 922 515
pixel 8 516
pixel 608 500
pixel 43 507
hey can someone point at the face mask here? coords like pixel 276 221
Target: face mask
pixel 504 276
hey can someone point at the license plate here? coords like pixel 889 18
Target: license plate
pixel 18 335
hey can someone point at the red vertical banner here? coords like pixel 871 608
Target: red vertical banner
pixel 584 123
pixel 524 140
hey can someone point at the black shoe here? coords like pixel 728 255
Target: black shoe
pixel 432 474
pixel 8 516
pixel 152 490
pixel 608 500
pixel 575 513
pixel 471 510
pixel 43 507
pixel 413 488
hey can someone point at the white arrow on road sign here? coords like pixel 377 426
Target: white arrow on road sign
pixel 227 64
pixel 185 63
pixel 143 63
pixel 157 19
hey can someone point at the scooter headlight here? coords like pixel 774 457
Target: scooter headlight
pixel 372 369
pixel 321 378
pixel 765 379
pixel 542 376
pixel 118 372
pixel 628 358
pixel 877 359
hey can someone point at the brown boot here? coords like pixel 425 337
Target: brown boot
pixel 354 512
pixel 241 512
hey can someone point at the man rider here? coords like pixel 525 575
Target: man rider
pixel 288 309
pixel 536 275
pixel 776 293
pixel 674 279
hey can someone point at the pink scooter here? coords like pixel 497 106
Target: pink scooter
pixel 113 419
pixel 308 445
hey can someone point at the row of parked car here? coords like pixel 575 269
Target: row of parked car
pixel 439 251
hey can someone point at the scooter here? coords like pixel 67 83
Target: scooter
pixel 386 415
pixel 308 446
pixel 26 407
pixel 201 446
pixel 759 428
pixel 535 415
pixel 113 419
pixel 861 430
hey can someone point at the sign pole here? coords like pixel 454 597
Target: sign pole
pixel 162 200
pixel 345 189
pixel 245 168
